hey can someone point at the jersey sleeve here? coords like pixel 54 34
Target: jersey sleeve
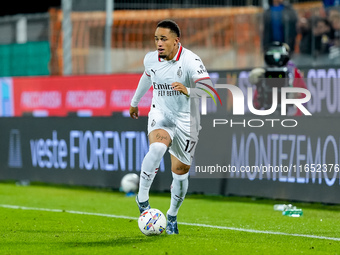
pixel 199 76
pixel 143 85
pixel 197 69
pixel 146 64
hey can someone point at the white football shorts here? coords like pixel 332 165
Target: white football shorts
pixel 182 131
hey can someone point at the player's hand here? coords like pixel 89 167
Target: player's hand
pixel 179 87
pixel 134 112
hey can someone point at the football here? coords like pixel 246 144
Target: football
pixel 152 222
pixel 129 183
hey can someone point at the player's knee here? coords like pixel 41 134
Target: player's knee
pixel 157 150
pixel 181 170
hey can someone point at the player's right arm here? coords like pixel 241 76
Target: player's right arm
pixel 143 86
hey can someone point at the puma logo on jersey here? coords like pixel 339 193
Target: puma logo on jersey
pixel 154 71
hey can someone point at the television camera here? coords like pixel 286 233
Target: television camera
pixel 275 74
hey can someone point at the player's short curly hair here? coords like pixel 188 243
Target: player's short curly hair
pixel 170 24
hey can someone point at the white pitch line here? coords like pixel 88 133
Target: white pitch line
pixel 182 223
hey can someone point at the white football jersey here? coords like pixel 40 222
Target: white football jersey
pixel 186 67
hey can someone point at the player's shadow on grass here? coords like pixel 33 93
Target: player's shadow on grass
pixel 119 241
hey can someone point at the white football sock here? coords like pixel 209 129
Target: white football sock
pixel 179 188
pixel 149 169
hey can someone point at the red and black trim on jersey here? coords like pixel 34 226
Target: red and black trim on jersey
pixel 201 79
pixel 147 74
pixel 178 55
pixel 179 52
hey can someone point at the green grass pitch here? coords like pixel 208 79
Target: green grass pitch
pixel 231 225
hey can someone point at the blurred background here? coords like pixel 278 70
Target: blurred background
pixel 225 34
pixel 60 60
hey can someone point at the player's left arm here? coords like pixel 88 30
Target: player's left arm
pixel 180 87
pixel 202 86
pixel 200 80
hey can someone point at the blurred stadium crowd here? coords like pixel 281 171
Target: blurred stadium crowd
pixel 313 34
pixel 320 33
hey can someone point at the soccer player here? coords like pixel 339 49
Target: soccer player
pixel 175 74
